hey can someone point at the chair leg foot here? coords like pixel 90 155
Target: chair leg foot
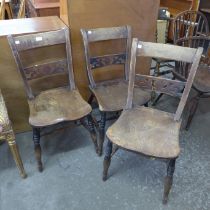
pixel 37 148
pixel 92 132
pixel 107 160
pixel 16 155
pixel 168 180
pixel 101 133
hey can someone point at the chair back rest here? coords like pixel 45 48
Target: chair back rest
pixel 163 85
pixel 105 34
pixel 2 10
pixel 23 43
pixel 21 12
pixel 190 23
pixel 182 69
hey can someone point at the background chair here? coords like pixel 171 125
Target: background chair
pixel 201 83
pixel 149 131
pixel 110 94
pixel 50 106
pixel 187 24
pixel 7 133
pixel 190 23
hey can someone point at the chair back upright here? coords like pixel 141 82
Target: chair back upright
pixel 48 66
pixel 167 86
pixel 91 36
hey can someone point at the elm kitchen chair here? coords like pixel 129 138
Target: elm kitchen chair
pixel 146 130
pixel 201 84
pixel 54 105
pixel 110 94
pixel 7 133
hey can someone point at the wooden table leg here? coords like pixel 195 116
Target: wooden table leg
pixel 16 155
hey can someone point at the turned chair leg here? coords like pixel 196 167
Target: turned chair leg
pixel 193 107
pixel 37 147
pixel 16 155
pixel 92 132
pixel 168 179
pixel 101 132
pixel 157 99
pixel 107 159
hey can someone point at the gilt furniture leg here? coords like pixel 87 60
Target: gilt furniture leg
pixel 16 155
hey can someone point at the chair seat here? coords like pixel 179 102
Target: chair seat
pixel 148 131
pixel 112 97
pixel 202 79
pixel 57 105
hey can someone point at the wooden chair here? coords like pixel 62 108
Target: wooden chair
pixel 187 24
pixel 54 105
pixel 2 10
pixel 190 23
pixel 149 131
pixel 110 94
pixel 202 80
pixel 7 133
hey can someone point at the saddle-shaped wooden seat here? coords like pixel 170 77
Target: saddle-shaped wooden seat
pixel 57 105
pixel 113 96
pixel 143 130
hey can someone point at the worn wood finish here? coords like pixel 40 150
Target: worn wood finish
pixel 150 131
pixel 7 133
pixel 147 130
pixel 31 41
pixel 157 50
pixel 38 40
pixel 57 105
pixel 190 23
pixel 37 71
pixel 167 86
pixel 99 34
pixel 111 94
pixel 54 105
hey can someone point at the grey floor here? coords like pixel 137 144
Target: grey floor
pixel 72 175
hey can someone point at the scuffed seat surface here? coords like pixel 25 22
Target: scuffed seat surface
pixel 57 105
pixel 148 131
pixel 112 97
